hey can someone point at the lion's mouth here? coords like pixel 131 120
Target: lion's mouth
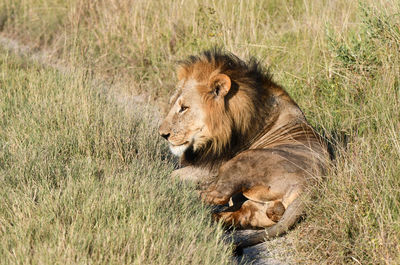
pixel 177 145
pixel 179 149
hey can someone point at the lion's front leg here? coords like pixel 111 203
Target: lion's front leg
pixel 232 178
pixel 222 189
pixel 225 185
pixel 191 174
pixel 217 195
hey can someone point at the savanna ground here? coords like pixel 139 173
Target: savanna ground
pixel 84 179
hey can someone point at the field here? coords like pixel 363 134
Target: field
pixel 84 175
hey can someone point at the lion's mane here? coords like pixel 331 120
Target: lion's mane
pixel 235 124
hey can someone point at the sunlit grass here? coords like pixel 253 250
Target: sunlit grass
pixel 84 181
pixel 338 59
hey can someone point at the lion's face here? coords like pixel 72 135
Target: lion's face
pixel 186 125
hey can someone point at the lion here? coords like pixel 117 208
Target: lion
pixel 244 139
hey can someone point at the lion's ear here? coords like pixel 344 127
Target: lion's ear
pixel 220 85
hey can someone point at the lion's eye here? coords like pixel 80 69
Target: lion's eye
pixel 183 108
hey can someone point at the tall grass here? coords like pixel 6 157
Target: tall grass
pixel 140 40
pixel 84 181
pixel 338 59
pixel 356 215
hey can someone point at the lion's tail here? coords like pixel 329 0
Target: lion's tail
pixel 292 214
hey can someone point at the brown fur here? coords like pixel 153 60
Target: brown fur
pixel 232 125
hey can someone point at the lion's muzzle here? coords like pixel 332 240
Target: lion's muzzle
pixel 164 131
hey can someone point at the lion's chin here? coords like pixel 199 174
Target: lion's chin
pixel 178 150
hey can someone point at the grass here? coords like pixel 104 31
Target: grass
pixel 82 180
pixel 338 59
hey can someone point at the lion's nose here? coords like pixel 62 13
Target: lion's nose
pixel 164 132
pixel 165 135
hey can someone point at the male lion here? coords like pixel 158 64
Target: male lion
pixel 231 125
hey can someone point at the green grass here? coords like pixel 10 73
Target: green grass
pixel 338 59
pixel 84 181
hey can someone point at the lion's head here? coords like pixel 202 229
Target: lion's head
pixel 185 125
pixel 219 102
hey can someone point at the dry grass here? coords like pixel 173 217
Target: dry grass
pixel 83 180
pixel 338 59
